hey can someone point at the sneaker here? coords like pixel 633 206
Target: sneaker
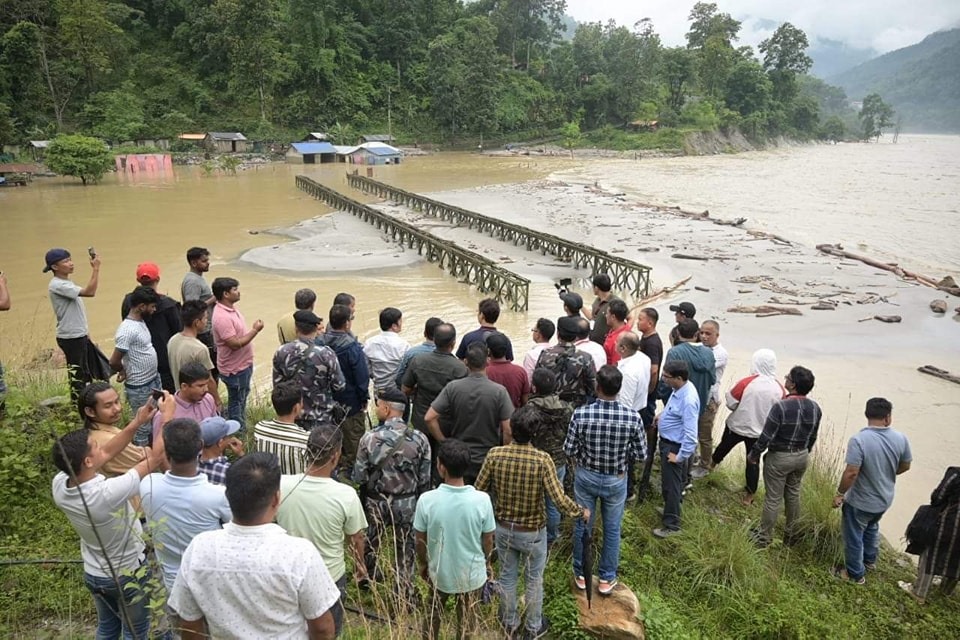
pixel 756 537
pixel 870 566
pixel 632 497
pixel 539 633
pixel 663 532
pixel 699 472
pixel 687 487
pixel 841 574
pixel 581 583
pixel 606 587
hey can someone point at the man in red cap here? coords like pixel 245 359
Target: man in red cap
pixel 84 361
pixel 163 324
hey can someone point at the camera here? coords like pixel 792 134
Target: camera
pixel 562 286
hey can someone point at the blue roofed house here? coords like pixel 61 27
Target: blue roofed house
pixel 310 153
pixel 370 153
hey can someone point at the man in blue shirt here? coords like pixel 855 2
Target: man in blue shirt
pixel 875 457
pixel 678 441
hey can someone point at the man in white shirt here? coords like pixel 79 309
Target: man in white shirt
pixel 710 337
pixel 385 350
pixel 587 345
pixel 252 579
pixel 542 334
pixel 180 503
pixel 635 367
pixel 111 541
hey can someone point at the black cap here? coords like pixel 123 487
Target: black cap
pixel 305 316
pixel 392 394
pixel 573 301
pixel 686 308
pixel 569 325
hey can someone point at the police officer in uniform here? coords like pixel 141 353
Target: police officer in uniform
pixel 392 470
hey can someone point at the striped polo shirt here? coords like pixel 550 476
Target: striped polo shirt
pixel 139 357
pixel 285 440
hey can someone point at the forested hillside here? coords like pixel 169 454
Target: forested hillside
pixel 439 70
pixel 921 82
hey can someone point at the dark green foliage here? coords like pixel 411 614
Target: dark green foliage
pixel 433 69
pixel 79 156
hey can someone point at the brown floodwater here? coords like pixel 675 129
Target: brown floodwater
pixel 157 218
pixel 898 201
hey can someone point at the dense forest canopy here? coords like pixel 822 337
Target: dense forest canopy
pixel 438 69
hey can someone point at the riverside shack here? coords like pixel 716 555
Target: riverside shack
pixel 226 142
pixel 310 153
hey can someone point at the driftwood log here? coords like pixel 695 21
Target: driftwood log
pixel 763 235
pixel 688 256
pixel 838 251
pixel 930 370
pixel 889 319
pixel 659 293
pixel 767 310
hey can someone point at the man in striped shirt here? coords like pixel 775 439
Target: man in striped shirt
pixel 282 436
pixel 789 433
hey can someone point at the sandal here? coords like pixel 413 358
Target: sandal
pixel 581 583
pixel 908 587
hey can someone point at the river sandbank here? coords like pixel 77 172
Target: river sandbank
pixel 853 360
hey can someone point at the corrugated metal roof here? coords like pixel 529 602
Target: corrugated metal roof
pixel 377 137
pixel 11 167
pixel 319 135
pixel 380 149
pixel 344 150
pixel 192 136
pixel 313 147
pixel 40 144
pixel 226 135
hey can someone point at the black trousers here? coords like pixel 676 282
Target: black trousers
pixel 83 366
pixel 727 443
pixel 207 339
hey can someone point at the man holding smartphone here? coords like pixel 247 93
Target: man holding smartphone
pixel 83 357
pixel 134 357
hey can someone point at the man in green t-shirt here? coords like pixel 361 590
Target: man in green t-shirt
pixel 454 524
pixel 317 507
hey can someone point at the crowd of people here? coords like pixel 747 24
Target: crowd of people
pixel 465 464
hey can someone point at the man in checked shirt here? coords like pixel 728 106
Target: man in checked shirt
pixel 602 438
pixel 788 437
pixel 517 476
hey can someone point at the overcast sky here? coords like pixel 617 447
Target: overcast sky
pixel 883 25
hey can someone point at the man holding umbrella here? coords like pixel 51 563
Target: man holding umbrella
pixel 602 438
pixel 518 476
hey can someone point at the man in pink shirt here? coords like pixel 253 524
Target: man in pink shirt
pixel 234 346
pixel 193 399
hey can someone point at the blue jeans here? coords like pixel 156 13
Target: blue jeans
pixel 137 397
pixel 553 514
pixel 238 388
pixel 861 539
pixel 110 620
pixel 513 547
pixel 588 487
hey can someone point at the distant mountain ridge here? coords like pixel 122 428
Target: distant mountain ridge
pixel 920 81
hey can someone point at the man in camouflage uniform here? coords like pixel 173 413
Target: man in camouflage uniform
pixel 575 371
pixel 314 367
pixel 550 431
pixel 392 470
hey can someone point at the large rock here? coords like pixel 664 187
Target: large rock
pixel 939 306
pixel 612 617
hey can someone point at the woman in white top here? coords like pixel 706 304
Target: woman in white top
pixel 750 400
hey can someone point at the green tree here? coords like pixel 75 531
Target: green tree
pixel 571 135
pixel 115 115
pixel 79 156
pixel 875 115
pixel 833 129
pixel 679 73
pixel 785 58
pixel 706 22
pixel 748 88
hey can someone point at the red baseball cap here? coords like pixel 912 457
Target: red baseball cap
pixel 148 272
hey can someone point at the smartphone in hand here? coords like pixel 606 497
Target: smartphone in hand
pixel 92 252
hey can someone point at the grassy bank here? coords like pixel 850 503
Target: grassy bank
pixel 709 582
